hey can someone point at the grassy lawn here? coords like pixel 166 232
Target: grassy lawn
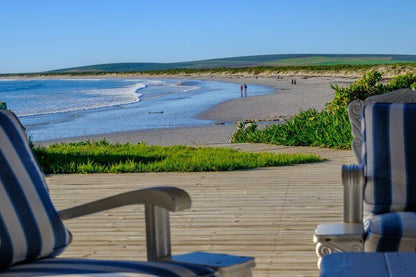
pixel 104 157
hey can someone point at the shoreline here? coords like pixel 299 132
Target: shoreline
pixel 285 101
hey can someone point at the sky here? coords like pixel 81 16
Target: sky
pixel 43 35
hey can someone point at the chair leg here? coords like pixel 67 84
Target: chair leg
pixel 338 237
pixel 157 233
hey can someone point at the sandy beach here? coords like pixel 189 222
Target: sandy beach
pixel 286 100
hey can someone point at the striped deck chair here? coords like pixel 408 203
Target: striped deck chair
pixel 379 192
pixel 32 233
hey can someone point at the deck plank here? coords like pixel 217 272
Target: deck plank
pixel 268 213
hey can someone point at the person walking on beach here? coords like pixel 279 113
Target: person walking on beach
pixel 245 90
pixel 241 89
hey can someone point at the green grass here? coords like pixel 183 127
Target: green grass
pixel 103 157
pixel 308 128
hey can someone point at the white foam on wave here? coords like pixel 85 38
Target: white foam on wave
pixel 185 88
pixel 104 97
pixel 96 98
pixel 181 85
pixel 9 79
pixel 78 79
pixel 148 81
pixel 189 88
pixel 156 82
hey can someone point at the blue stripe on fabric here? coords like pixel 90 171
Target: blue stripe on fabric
pixel 153 269
pixel 409 118
pixel 22 209
pixel 363 138
pixel 197 269
pixel 391 233
pixel 381 158
pixel 53 271
pixel 19 144
pixel 6 248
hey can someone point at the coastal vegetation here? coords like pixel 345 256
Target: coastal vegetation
pixel 327 128
pixel 105 157
pixel 342 70
pixel 325 69
pixel 308 128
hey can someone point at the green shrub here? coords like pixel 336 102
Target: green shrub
pixel 3 105
pixel 368 85
pixel 401 81
pixel 311 127
pixel 247 132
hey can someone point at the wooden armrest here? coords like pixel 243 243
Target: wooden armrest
pixel 170 198
pixel 353 181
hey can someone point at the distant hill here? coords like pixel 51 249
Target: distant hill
pixel 248 61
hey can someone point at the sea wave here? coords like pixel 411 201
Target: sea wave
pixel 78 79
pixel 146 81
pixel 45 97
pixel 92 107
pixel 186 88
pixel 92 99
pixel 9 79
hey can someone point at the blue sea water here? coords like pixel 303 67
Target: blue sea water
pixel 65 108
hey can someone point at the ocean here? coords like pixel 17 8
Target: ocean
pixel 55 109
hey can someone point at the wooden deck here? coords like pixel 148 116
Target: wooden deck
pixel 268 213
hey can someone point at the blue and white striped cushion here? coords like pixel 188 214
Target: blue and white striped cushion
pixel 391 232
pixel 30 227
pixel 84 267
pixel 389 140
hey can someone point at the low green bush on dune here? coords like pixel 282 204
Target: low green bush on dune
pixel 327 128
pixel 308 128
pixel 3 105
pixel 368 85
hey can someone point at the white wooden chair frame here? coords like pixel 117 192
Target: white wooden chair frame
pixel 158 201
pixel 349 235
